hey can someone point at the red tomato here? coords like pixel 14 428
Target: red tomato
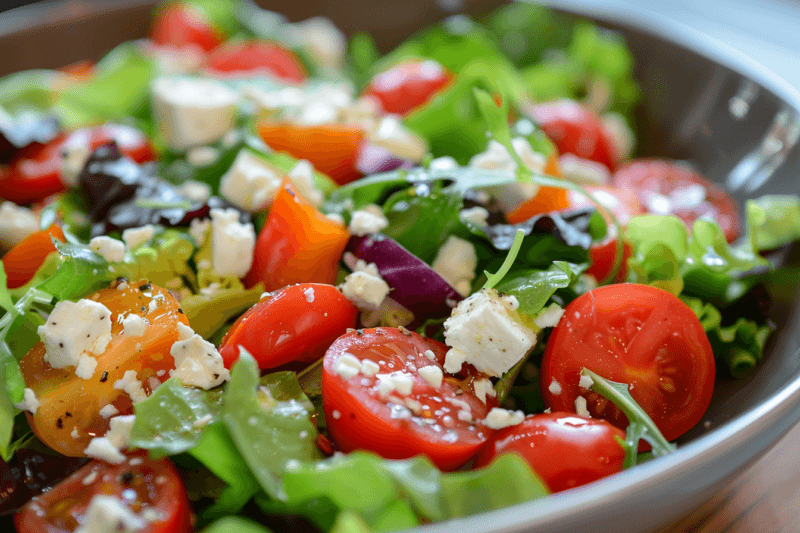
pixel 633 334
pixel 256 56
pixel 408 85
pixel 575 129
pixel 297 323
pixel 181 24
pixel 565 450
pixel 151 489
pixel 396 425
pixel 23 260
pixel 333 149
pixel 669 188
pixel 35 174
pixel 68 415
pixel 297 244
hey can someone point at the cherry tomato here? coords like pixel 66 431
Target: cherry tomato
pixel 575 129
pixel 256 56
pixel 547 199
pixel 180 24
pixel 297 323
pixel 408 85
pixel 565 450
pixel 23 260
pixel 333 149
pixel 669 188
pixel 35 173
pixel 633 334
pixel 297 244
pixel 68 415
pixel 149 488
pixel 362 413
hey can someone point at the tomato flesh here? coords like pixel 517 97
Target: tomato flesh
pixel 408 85
pixel 633 334
pixel 565 450
pixel 256 56
pixel 180 24
pixel 668 188
pixel 23 260
pixel 297 323
pixel 68 415
pixel 396 425
pixel 149 488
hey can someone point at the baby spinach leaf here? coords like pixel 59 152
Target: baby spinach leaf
pixel 533 288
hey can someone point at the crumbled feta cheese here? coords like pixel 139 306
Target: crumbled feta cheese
pixel 86 366
pixel 549 317
pixel 108 411
pixel 483 387
pixel 29 402
pixel 250 183
pixel 554 387
pixel 444 162
pixel 16 223
pixel 203 421
pixel 619 131
pixel 497 157
pixel 133 326
pixel 391 134
pixel 73 158
pixel 586 381
pixel 102 448
pixel 202 156
pixel 432 374
pixel 464 415
pixel 430 355
pixel 326 43
pixel 109 249
pixel 192 111
pixel 302 177
pixel 107 514
pixel 119 431
pixel 364 286
pixel 499 418
pixel 477 215
pixel 135 237
pixel 336 217
pixel 131 386
pixel 482 331
pixel 456 262
pixel 197 361
pixel 369 368
pixel 73 329
pixel 347 366
pixel 198 229
pixel 396 381
pixel 367 221
pixel 184 332
pixel 74 434
pixel 583 171
pixel 309 294
pixel 196 191
pixel 580 407
pixel 232 243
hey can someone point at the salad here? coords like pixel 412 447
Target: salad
pixel 258 276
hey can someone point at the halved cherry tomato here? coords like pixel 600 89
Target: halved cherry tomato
pixel 35 173
pixel 565 450
pixel 297 323
pixel 668 188
pixel 258 56
pixel 149 488
pixel 633 334
pixel 547 199
pixel 297 244
pixel 180 24
pixel 408 85
pixel 68 415
pixel 333 149
pixel 575 129
pixel 363 413
pixel 23 260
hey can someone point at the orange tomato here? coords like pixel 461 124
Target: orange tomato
pixel 23 260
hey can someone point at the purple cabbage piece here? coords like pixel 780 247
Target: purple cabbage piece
pixel 415 285
pixel 375 159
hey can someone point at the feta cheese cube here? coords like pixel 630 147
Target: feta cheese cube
pixel 108 513
pixel 73 329
pixel 367 221
pixel 554 387
pixel 232 243
pixel 133 326
pixel 347 366
pixel 497 157
pixel 302 177
pixel 29 402
pixel 477 215
pixel 131 385
pixel 108 411
pixel 390 134
pixel 583 171
pixel 102 448
pixel 369 368
pixel 456 262
pixel 326 43
pixel 86 366
pixel 586 382
pixel 580 407
pixel 198 229
pixel 197 362
pixel 499 418
pixel 309 294
pixel 399 381
pixel 364 286
pixel 119 431
pixel 135 237
pixel 483 387
pixel 483 331
pixel 16 223
pixel 196 191
pixel 192 111
pixel 109 249
pixel 250 183
pixel 432 374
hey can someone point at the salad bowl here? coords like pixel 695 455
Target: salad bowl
pixel 702 102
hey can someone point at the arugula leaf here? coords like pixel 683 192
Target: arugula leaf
pixel 234 524
pixel 497 277
pixel 173 418
pixel 533 288
pixel 640 425
pixel 272 431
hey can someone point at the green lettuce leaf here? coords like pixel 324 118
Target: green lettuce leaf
pixel 774 220
pixel 234 524
pixel 533 288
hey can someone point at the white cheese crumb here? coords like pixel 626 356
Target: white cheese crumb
pixel 29 402
pixel 364 286
pixel 197 361
pixel 586 382
pixel 131 386
pixel 86 366
pixel 232 243
pixel 309 294
pixel 555 387
pixel 369 367
pixel 135 237
pixel 483 387
pixel 430 355
pixel 549 317
pixel 432 374
pixel 16 223
pixel 580 407
pixel 133 326
pixel 198 229
pixel 108 411
pixel 102 448
pixel 73 329
pixel 499 418
pixel 583 171
pixel 477 215
pixel 367 221
pixel 497 157
pixel 347 366
pixel 109 249
pixel 250 183
pixel 203 421
pixel 456 262
pixel 196 191
pixel 107 514
pixel 396 381
pixel 302 177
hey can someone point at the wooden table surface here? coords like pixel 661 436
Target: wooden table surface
pixel 764 499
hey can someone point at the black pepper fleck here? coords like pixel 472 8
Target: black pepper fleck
pixel 104 377
pixel 60 424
